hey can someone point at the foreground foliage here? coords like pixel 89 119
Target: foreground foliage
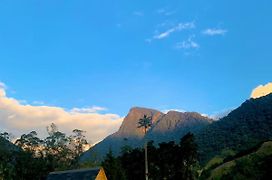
pixel 34 158
pixel 254 163
pixel 168 161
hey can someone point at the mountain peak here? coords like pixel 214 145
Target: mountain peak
pixel 129 127
pixel 140 109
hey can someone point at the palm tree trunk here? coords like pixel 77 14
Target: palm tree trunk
pixel 146 162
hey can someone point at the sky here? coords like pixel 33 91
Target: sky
pixel 99 58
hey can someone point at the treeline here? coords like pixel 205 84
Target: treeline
pixel 34 158
pixel 169 161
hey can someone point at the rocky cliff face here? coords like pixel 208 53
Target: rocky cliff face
pixel 129 127
pixel 165 127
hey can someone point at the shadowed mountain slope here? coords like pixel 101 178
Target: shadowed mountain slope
pixel 174 125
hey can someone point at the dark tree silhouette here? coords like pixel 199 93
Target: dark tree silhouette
pixel 145 123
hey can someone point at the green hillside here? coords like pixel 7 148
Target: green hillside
pixel 255 165
pixel 243 128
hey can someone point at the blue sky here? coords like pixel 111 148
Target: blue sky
pixel 203 56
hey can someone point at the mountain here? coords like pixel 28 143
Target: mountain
pixel 129 127
pixel 165 127
pixel 174 125
pixel 243 128
pixel 128 134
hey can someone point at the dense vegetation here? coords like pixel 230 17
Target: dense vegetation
pixel 34 158
pixel 254 163
pixel 168 161
pixel 242 129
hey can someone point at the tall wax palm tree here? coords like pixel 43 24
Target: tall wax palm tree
pixel 145 123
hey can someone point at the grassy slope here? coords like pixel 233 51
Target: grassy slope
pixel 264 151
pixel 218 159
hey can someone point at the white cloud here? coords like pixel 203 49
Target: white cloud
pixel 261 90
pixel 3 85
pixel 220 114
pixel 18 118
pixel 93 109
pixel 179 27
pixel 214 31
pixel 2 92
pixel 187 44
pixel 2 89
pixel 167 110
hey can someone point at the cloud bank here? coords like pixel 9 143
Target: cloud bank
pixel 18 118
pixel 261 90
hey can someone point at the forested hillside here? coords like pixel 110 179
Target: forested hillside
pixel 242 129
